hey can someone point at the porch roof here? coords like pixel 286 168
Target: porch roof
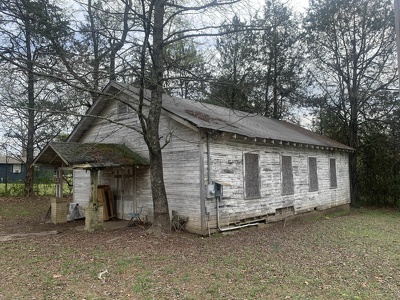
pixel 88 155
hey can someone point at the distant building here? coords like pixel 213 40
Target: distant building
pixel 11 170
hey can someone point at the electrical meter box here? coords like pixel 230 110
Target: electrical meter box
pixel 215 189
pixel 210 191
pixel 218 189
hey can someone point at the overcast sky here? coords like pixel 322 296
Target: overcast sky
pixel 245 7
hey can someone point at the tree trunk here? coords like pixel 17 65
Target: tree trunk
pixel 276 114
pixel 28 190
pixel 353 124
pixel 162 222
pixel 95 41
pixel 353 142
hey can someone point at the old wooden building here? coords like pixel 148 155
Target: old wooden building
pixel 223 168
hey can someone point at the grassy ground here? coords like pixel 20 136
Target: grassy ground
pixel 353 256
pixel 17 189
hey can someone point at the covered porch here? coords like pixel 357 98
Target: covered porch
pixel 88 159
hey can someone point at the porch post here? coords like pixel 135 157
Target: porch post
pixel 94 212
pixel 94 174
pixel 59 183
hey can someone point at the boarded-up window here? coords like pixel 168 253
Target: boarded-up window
pixel 287 176
pixel 332 170
pixel 312 174
pixel 251 176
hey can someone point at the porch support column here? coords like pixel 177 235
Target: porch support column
pixel 94 177
pixel 94 212
pixel 59 183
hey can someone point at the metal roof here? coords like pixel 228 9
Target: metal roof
pixel 88 155
pixel 216 118
pixel 219 118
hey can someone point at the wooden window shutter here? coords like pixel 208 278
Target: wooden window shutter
pixel 251 176
pixel 312 174
pixel 287 176
pixel 332 169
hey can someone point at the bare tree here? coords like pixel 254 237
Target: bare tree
pixel 157 17
pixel 89 52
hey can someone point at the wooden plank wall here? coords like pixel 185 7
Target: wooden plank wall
pixel 82 187
pixel 181 168
pixel 182 174
pixel 227 165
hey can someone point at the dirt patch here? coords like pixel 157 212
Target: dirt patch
pixel 20 236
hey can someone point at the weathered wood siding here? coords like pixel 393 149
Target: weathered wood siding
pixel 185 161
pixel 226 165
pixel 131 186
pixel 181 161
pixel 82 187
pixel 129 190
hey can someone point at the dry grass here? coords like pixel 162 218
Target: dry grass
pixel 354 256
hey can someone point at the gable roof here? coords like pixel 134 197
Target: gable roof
pixel 88 155
pixel 216 118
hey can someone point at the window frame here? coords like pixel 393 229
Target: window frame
pixel 16 168
pixel 251 180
